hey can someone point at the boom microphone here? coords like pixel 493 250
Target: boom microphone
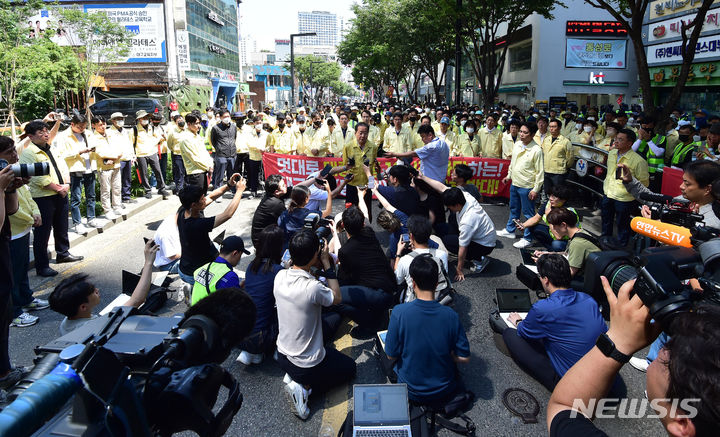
pixel 663 232
pixel 663 198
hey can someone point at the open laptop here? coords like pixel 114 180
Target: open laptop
pixel 513 300
pixel 381 410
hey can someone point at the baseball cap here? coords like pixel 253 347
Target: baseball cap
pixel 445 120
pixel 117 115
pixel 280 115
pixel 238 114
pixel 300 119
pixel 233 243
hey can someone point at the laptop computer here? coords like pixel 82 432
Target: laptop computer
pixel 513 300
pixel 527 256
pixel 381 410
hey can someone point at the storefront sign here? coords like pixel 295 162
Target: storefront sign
pixel 594 28
pixel 597 78
pixel 183 50
pixel 217 49
pixel 668 29
pixel 707 47
pixel 215 18
pixel 488 174
pixel 593 53
pixel 662 8
pixel 701 74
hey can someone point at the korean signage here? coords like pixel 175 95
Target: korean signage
pixel 703 73
pixel 183 50
pixel 594 28
pixel 669 29
pixel 707 47
pixel 594 53
pixel 487 173
pixel 663 8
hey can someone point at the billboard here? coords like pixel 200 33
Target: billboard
pixel 707 48
pixel 595 53
pixel 146 21
pixel 671 29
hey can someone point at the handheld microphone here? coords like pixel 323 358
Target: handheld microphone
pixel 662 198
pixel 663 232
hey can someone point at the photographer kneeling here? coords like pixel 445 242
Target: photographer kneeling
pixel 686 371
pixel 558 330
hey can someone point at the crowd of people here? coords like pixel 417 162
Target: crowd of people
pixel 314 266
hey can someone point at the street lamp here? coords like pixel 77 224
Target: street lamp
pixel 292 63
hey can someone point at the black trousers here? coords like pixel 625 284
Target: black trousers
pixel 475 251
pixel 126 179
pixel 199 179
pixel 352 196
pixel 178 169
pixel 163 160
pixel 54 213
pixel 531 357
pixel 5 319
pixel 241 164
pixel 154 163
pixel 253 174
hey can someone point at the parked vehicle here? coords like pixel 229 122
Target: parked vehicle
pixel 128 107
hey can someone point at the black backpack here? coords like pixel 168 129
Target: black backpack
pixel 445 293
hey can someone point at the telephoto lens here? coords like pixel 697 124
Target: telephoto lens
pixel 28 170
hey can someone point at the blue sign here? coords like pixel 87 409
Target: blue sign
pixel 595 53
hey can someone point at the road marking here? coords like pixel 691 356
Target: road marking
pixel 337 400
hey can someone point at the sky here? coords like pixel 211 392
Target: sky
pixel 268 20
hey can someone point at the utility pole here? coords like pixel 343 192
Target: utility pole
pixel 292 64
pixel 458 55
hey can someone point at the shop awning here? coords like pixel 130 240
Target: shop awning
pixel 514 88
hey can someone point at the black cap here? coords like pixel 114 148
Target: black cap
pixel 233 243
pixel 280 115
pixel 715 129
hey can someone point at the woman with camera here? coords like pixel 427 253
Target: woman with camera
pixel 293 219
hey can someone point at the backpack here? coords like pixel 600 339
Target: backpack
pixel 444 293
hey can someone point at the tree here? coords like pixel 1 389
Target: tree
pixel 630 14
pixel 98 41
pixel 340 88
pixel 482 23
pixel 314 71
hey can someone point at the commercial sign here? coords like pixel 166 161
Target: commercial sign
pixel 707 47
pixel 594 53
pixel 597 78
pixel 595 28
pixel 669 29
pixel 182 42
pixel 215 18
pixel 701 74
pixel 662 8
pixel 488 174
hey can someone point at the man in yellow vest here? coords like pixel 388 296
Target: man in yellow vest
pixel 145 141
pixel 219 273
pixel 282 139
pixel 490 138
pixel 109 169
pixel 197 160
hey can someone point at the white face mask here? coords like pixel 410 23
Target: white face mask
pixel 578 125
pixel 697 138
pixel 470 130
pixel 462 122
pixel 258 127
pixel 631 120
pixel 611 132
pixel 226 120
pixel 144 122
pixel 536 116
pixel 591 118
pixel 587 129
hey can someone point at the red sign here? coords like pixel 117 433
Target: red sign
pixel 595 28
pixel 671 180
pixel 487 173
pixel 620 100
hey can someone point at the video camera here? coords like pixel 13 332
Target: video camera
pixel 321 227
pixel 672 210
pixel 127 374
pixel 27 170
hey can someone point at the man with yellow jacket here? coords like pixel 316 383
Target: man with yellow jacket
pixel 81 159
pixel 491 138
pixel 145 141
pixel 198 162
pixel 173 144
pixel 108 155
pixel 558 153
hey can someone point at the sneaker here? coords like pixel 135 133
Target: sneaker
pixel 110 215
pixel 298 397
pixel 286 379
pixel 79 228
pixel 13 377
pixel 119 212
pixel 36 305
pixel 24 320
pixel 148 195
pixel 505 233
pixel 247 358
pixel 479 266
pixel 522 243
pixel 186 292
pixel 640 364
pixel 93 223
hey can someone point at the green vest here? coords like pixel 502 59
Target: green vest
pixel 206 279
pixel 681 152
pixel 655 163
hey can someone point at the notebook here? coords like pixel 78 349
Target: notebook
pixel 381 410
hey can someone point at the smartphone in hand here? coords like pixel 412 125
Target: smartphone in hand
pixel 619 173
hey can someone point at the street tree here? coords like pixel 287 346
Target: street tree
pixel 98 41
pixel 482 23
pixel 317 73
pixel 630 14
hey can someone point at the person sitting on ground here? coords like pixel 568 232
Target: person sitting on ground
pixel 399 193
pixel 167 238
pixel 259 280
pixel 427 339
pixel 460 176
pixel 475 239
pixel 563 224
pixel 75 297
pixel 219 273
pixel 270 208
pixel 293 219
pixel 366 278
pixel 194 228
pixel 432 206
pixel 420 229
pixel 557 331
pixel 318 193
pixel 557 196
pixel 303 327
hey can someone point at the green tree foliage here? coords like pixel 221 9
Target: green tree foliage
pixel 317 73
pixel 340 88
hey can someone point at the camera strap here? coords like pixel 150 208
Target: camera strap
pixel 48 153
pixel 588 237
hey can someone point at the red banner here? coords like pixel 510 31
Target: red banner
pixel 487 173
pixel 671 180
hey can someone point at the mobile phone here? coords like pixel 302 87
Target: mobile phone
pixel 405 238
pixel 351 162
pixel 326 170
pixel 619 173
pixel 349 177
pixel 517 222
pixel 320 181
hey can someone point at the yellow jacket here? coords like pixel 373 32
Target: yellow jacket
pixel 567 129
pixel 413 137
pixel 323 141
pixel 396 142
pixel 122 140
pixel 374 136
pixel 105 149
pixel 353 150
pixel 303 143
pixel 507 145
pixel 69 148
pixel 614 188
pixel 558 154
pixel 257 144
pixel 173 139
pixel 37 184
pixel 467 147
pixel 526 166
pixel 147 141
pixel 490 142
pixel 194 154
pixel 283 142
pixel 539 138
pixel 383 127
pixel 22 220
pixel 341 141
pixel 450 138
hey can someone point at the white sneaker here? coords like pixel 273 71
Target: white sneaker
pixel 110 215
pixel 505 233
pixel 640 364
pixel 119 212
pixel 479 266
pixel 79 228
pixel 247 358
pixel 298 397
pixel 92 223
pixel 522 243
pixel 23 320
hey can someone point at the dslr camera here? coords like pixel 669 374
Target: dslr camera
pixel 320 226
pixel 27 170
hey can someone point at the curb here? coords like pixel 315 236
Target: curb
pixel 76 239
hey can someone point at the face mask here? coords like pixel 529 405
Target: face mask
pixel 683 137
pixel 697 138
pixel 462 122
pixel 587 129
pixel 302 128
pixel 631 120
pixel 578 125
pixel 413 118
pixel 226 120
pixel 611 132
pixel 281 125
pixel 181 124
pixel 427 110
pixel 536 115
pixel 317 123
pixel 470 130
pixel 144 123
pixel 591 118
pixel 258 127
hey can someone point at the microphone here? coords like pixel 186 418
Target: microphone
pixel 662 198
pixel 663 232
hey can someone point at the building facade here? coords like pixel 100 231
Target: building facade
pixel 324 23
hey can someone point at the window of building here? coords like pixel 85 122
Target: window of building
pixel 520 57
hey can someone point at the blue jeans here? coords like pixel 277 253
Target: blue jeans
pixel 222 167
pixel 656 345
pixel 541 232
pixel 520 203
pixel 172 267
pixel 77 183
pixel 20 257
pixel 620 211
pixel 366 306
pixel 188 279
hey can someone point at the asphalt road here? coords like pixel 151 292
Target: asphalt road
pixel 265 412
